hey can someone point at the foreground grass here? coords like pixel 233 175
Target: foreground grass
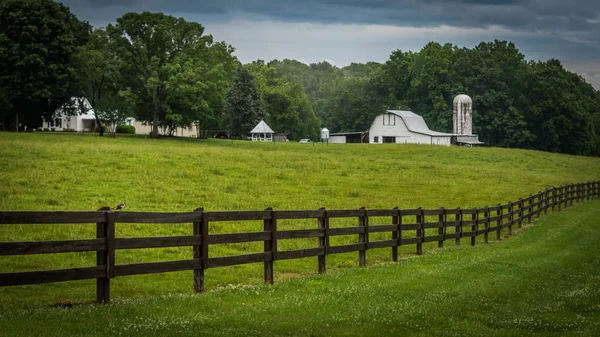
pixel 544 282
pixel 74 172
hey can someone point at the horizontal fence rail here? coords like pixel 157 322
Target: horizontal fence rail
pixel 463 223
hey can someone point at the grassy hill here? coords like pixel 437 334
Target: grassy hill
pixel 79 172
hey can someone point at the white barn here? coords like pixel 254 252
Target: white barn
pixel 398 126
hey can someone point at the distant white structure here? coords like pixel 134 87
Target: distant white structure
pixel 463 115
pixel 403 127
pixel 67 120
pixel 262 132
pixel 396 126
pixel 399 126
pixel 324 135
pixel 463 121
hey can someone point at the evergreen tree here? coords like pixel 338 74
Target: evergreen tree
pixel 244 108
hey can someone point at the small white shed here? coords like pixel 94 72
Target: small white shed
pixel 262 132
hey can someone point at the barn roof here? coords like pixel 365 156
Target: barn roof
pixel 416 123
pixel 262 127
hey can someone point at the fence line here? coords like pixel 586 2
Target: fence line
pixel 476 221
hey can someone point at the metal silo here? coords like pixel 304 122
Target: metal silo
pixel 463 115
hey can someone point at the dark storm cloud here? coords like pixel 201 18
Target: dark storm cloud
pixel 266 29
pixel 577 15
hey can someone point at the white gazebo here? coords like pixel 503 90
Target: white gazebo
pixel 262 133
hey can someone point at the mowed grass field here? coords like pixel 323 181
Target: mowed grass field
pixel 543 282
pixel 81 172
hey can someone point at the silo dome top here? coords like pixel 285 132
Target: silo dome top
pixel 463 99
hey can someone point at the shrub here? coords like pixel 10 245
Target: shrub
pixel 125 129
pixel 39 130
pixel 52 129
pixel 100 129
pixel 69 130
pixel 46 129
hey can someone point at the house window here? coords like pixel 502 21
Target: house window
pixel 58 123
pixel 389 139
pixel 376 140
pixel 389 119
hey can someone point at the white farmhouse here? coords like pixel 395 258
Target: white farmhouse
pixel 63 120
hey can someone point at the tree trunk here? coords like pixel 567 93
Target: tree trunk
pixel 17 123
pixel 156 99
pixel 155 124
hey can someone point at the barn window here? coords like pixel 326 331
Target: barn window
pixel 389 119
pixel 376 139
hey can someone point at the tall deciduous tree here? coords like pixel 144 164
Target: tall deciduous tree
pixel 38 39
pixel 100 78
pixel 174 75
pixel 244 108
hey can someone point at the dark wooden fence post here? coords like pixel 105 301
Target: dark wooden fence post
pixel 572 193
pixel 511 217
pixel 520 212
pixel 560 196
pixel 270 245
pixel 486 225
pixel 553 198
pixel 474 227
pixel 499 221
pixel 323 241
pixel 546 200
pixel 396 223
pixel 442 229
pixel 530 209
pixel 198 273
pixel 363 237
pixel 587 190
pixel 542 203
pixel 201 252
pixel 458 228
pixel 420 231
pixel 399 228
pixel 102 259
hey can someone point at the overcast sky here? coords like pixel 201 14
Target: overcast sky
pixel 345 31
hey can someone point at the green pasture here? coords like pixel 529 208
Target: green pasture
pixel 53 171
pixel 543 282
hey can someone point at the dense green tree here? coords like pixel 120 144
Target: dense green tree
pixel 244 106
pixel 560 107
pixel 492 73
pixel 286 104
pixel 100 79
pixel 174 75
pixel 38 41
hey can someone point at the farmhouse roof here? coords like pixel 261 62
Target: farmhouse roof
pixel 262 127
pixel 416 123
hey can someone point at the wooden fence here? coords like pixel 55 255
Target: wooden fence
pixel 464 223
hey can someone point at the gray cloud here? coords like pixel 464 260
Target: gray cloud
pixel 567 30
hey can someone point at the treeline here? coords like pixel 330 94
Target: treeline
pixel 516 103
pixel 165 71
